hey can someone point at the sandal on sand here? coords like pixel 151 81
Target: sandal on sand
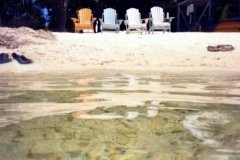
pixel 225 48
pixel 27 60
pixel 21 59
pixel 213 48
pixel 222 48
pixel 4 58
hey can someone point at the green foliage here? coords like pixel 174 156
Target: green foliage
pixel 15 13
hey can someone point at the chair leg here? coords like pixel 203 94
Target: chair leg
pixel 145 30
pixel 151 30
pixel 128 31
pixel 117 30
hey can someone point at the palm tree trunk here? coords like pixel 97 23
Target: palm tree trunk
pixel 62 15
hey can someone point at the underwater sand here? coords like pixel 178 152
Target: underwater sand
pixel 120 115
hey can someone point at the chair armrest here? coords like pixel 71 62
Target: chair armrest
pixel 75 20
pixel 145 20
pixel 168 19
pixel 101 20
pixel 94 19
pixel 120 21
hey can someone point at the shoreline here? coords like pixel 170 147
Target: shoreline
pixel 133 69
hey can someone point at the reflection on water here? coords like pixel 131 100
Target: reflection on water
pixel 120 115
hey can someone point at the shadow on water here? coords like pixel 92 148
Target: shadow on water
pixel 120 116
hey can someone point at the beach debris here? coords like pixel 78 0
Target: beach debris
pixel 8 42
pixel 12 38
pixel 221 47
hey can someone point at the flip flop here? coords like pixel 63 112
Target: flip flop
pixel 4 58
pixel 27 60
pixel 226 47
pixel 21 59
pixel 213 48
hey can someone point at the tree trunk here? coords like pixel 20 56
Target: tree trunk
pixel 62 15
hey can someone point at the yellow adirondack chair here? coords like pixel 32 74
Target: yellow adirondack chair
pixel 84 20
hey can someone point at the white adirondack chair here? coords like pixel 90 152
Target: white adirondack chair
pixel 157 20
pixel 109 20
pixel 134 22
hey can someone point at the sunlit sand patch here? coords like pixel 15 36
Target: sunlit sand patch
pixel 15 113
pixel 85 96
pixel 113 82
pixel 85 81
pixel 36 85
pixel 131 115
pixel 78 113
pixel 199 125
pixel 5 96
pixel 4 121
pixel 89 98
pixel 107 85
pixel 133 81
pixel 177 108
pixel 152 113
pixel 154 107
pixel 199 99
pixel 138 98
pixel 100 117
pixel 155 103
pixel 233 151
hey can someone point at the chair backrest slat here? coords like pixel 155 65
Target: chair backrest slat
pixel 109 16
pixel 157 15
pixel 134 16
pixel 85 16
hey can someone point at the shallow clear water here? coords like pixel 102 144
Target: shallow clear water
pixel 120 115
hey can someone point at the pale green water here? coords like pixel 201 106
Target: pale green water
pixel 113 115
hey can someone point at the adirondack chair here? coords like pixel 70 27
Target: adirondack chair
pixel 157 20
pixel 109 20
pixel 84 20
pixel 134 22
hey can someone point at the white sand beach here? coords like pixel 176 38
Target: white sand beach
pixel 158 51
